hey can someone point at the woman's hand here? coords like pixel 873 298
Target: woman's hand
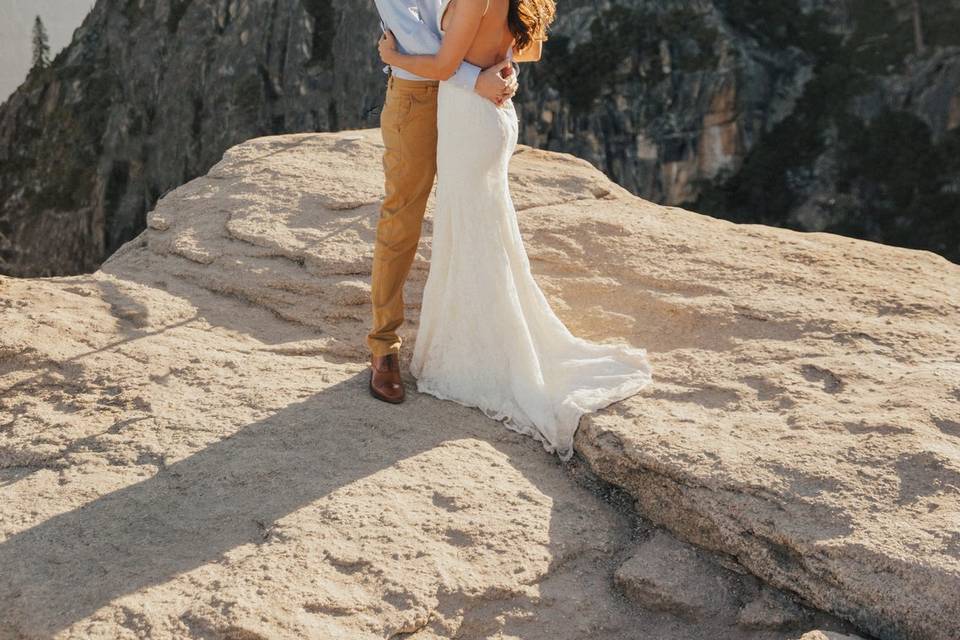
pixel 388 47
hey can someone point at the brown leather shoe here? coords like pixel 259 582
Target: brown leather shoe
pixel 385 382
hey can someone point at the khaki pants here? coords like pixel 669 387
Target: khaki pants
pixel 408 124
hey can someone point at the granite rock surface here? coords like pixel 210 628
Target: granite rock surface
pixel 188 447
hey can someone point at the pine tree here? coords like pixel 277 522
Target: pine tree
pixel 41 47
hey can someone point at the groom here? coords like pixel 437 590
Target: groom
pixel 408 124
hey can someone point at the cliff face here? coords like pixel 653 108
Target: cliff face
pixel 188 447
pixel 149 95
pixel 787 113
pixel 813 115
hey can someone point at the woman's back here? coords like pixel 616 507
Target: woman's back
pixel 493 37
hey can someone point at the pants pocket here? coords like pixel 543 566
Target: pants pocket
pixel 396 110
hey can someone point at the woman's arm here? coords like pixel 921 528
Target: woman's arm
pixel 456 42
pixel 531 54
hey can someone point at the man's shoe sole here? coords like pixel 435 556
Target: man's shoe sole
pixel 376 395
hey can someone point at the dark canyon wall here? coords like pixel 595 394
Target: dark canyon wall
pixel 804 113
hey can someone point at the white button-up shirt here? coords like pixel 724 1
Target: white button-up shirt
pixel 416 24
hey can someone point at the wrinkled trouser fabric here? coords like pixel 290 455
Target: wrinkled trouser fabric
pixel 408 124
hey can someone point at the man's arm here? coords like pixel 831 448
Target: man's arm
pixel 466 76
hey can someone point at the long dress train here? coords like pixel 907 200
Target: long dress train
pixel 488 337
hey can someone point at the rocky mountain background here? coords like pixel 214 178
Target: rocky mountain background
pixel 822 115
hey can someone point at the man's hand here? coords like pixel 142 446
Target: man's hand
pixel 387 46
pixel 512 84
pixel 497 83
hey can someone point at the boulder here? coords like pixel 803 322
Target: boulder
pixel 669 575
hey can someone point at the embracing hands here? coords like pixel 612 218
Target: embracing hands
pixel 497 83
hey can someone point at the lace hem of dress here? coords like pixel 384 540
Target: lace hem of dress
pixel 564 451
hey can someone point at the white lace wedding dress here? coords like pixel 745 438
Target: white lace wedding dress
pixel 487 336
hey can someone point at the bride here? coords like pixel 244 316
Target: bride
pixel 488 337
